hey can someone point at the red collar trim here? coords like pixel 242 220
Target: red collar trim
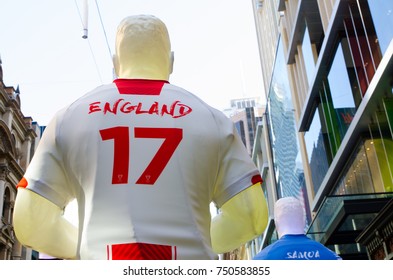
pixel 139 86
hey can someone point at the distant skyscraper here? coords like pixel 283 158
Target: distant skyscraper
pixel 245 113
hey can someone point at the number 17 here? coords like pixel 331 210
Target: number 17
pixel 121 158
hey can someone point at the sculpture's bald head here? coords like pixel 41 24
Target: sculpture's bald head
pixel 143 48
pixel 289 216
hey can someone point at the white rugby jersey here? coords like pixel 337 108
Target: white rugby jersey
pixel 144 159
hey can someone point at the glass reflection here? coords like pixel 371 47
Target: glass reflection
pixel 308 56
pixel 316 151
pixel 288 168
pixel 382 16
pixel 341 95
pixel 368 171
pixel 357 177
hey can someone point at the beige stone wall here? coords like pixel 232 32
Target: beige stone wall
pixel 17 134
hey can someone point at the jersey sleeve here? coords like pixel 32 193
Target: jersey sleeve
pixel 45 174
pixel 237 171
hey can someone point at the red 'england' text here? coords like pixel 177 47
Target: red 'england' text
pixel 175 110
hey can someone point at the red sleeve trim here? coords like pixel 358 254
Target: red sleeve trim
pixel 22 183
pixel 256 179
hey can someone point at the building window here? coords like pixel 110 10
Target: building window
pixel 380 12
pixel 288 167
pixel 240 129
pixel 6 211
pixel 316 150
pixel 356 57
pixel 363 41
pixel 340 86
pixel 251 125
pixel 308 56
pixel 357 177
pixel 337 102
pixel 369 170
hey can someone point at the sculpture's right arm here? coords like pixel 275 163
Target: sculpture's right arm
pixel 241 219
pixel 40 225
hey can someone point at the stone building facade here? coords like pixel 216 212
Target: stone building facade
pixel 18 139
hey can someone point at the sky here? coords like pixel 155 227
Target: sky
pixel 43 52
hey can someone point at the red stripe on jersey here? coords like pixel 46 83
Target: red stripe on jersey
pixel 256 179
pixel 174 253
pixel 139 86
pixel 22 183
pixel 141 251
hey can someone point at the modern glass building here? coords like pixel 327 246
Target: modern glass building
pixel 327 135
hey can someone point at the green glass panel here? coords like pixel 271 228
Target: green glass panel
pixel 388 106
pixel 384 151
